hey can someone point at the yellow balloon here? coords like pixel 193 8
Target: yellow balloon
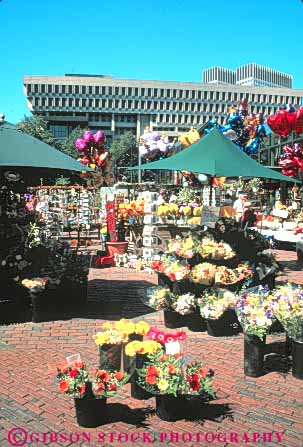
pixel 92 166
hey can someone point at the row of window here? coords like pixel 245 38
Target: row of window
pixel 159 93
pixel 148 106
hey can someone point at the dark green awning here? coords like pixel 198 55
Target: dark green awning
pixel 215 155
pixel 20 149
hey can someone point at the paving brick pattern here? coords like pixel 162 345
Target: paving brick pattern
pixel 29 352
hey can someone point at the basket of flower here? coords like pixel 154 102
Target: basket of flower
pixel 216 306
pixel 287 306
pixel 90 391
pixel 140 351
pixel 173 383
pixel 141 328
pixel 186 305
pixel 254 311
pixel 233 279
pixel 158 298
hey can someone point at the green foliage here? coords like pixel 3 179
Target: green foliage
pixel 68 144
pixel 36 126
pixel 122 145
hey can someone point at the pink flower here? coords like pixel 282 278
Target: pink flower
pixel 152 333
pixel 181 335
pixel 160 337
pixel 169 337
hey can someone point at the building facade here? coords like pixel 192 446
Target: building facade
pixel 252 75
pixel 120 105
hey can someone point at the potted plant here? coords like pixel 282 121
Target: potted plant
pixel 140 350
pixel 255 315
pixel 216 306
pixel 90 392
pixel 172 383
pixel 287 306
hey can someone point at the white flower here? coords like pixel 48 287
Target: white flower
pixel 18 257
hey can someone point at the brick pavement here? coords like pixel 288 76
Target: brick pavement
pixel 29 352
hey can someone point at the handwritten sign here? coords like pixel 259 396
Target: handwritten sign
pixel 210 215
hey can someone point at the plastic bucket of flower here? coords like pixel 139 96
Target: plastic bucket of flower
pixel 225 326
pixel 195 322
pixel 91 412
pixel 254 350
pixel 174 320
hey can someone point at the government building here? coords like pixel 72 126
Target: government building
pixel 118 105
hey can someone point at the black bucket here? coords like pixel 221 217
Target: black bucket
pixel 129 363
pixel 110 357
pixel 136 391
pixel 254 349
pixel 174 320
pixel 225 326
pixel 195 322
pixel 297 360
pixel 170 408
pixel 91 412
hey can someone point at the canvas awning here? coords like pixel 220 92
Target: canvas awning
pixel 22 150
pixel 217 156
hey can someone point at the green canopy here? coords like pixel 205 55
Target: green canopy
pixel 215 155
pixel 20 149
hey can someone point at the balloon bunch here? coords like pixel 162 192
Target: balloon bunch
pixel 190 137
pixel 244 129
pixel 286 120
pixel 154 146
pixel 93 152
pixel 292 160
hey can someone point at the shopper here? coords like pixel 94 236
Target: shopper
pixel 239 205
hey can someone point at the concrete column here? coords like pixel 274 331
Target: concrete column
pixel 113 124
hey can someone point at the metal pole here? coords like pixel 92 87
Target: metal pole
pixel 139 164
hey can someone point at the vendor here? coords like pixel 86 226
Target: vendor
pixel 239 205
pixel 248 218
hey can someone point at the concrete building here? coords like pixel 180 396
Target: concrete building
pixel 253 75
pixel 120 105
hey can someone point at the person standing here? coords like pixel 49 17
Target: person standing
pixel 239 205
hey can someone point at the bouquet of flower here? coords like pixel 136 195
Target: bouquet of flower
pixel 223 251
pixel 197 381
pixel 73 379
pixel 214 302
pixel 185 248
pixel 167 374
pixel 35 284
pixel 110 337
pixel 147 347
pixel 176 270
pixel 106 383
pixel 254 310
pixel 287 306
pixel 158 297
pixel 207 247
pixel 183 304
pixel 203 273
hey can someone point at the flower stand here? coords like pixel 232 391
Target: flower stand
pixel 225 326
pixel 170 408
pixel 136 391
pixel 297 359
pixel 174 320
pixel 195 322
pixel 254 349
pixel 110 356
pixel 91 412
pixel 129 363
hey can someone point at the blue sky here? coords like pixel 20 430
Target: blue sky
pixel 159 39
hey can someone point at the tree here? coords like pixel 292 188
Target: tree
pixel 68 144
pixel 36 126
pixel 123 146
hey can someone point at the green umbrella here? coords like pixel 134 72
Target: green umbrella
pixel 22 150
pixel 217 156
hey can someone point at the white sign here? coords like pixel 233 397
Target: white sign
pixel 172 348
pixel 280 213
pixel 210 215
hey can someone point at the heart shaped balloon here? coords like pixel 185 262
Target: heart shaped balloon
pixel 279 123
pixel 298 125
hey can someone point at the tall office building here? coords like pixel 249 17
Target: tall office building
pixel 219 75
pixel 120 105
pixel 253 75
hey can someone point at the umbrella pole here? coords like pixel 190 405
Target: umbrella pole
pixel 210 190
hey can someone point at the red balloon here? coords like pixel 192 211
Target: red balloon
pixel 279 123
pixel 298 125
pixel 291 119
pixel 289 172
